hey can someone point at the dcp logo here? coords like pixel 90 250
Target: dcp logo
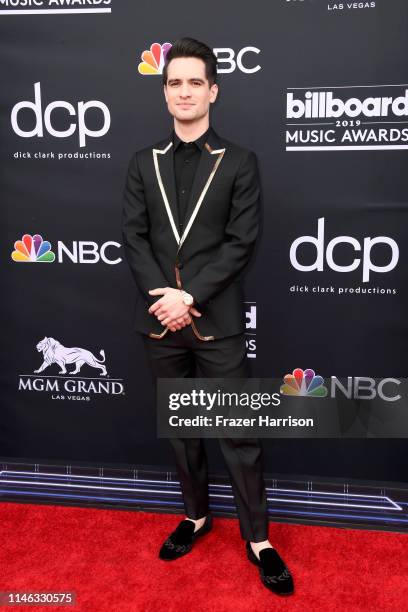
pixel 329 253
pixel 43 119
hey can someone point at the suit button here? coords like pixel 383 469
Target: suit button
pixel 180 265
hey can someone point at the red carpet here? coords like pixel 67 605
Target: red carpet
pixel 109 558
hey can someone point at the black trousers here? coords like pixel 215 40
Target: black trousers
pixel 180 354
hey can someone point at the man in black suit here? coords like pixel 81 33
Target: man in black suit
pixel 190 222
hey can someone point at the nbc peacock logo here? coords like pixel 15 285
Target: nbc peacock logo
pixel 304 383
pixel 32 249
pixel 154 58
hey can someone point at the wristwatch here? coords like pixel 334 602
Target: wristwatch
pixel 187 298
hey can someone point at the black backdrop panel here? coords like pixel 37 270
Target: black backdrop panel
pixel 78 73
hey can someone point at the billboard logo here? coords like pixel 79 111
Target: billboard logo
pixel 347 118
pixel 323 105
pixel 303 383
pixel 250 325
pixel 53 7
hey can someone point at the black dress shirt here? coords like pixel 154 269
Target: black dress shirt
pixel 186 158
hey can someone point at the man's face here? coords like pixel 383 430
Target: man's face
pixel 188 94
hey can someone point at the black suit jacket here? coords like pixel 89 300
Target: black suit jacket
pixel 221 226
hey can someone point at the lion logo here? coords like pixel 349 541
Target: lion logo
pixel 54 352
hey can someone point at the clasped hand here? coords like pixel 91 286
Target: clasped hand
pixel 170 309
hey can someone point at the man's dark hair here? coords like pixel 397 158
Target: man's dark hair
pixel 190 47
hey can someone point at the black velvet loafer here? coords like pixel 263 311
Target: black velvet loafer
pixel 181 540
pixel 272 569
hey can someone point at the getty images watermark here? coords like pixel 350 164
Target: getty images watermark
pixel 301 405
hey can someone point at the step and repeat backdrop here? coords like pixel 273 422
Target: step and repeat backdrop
pixel 318 89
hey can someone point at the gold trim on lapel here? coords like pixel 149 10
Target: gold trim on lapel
pixel 168 167
pixel 205 172
pixel 205 165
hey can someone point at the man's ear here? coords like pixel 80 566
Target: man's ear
pixel 214 92
pixel 165 91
